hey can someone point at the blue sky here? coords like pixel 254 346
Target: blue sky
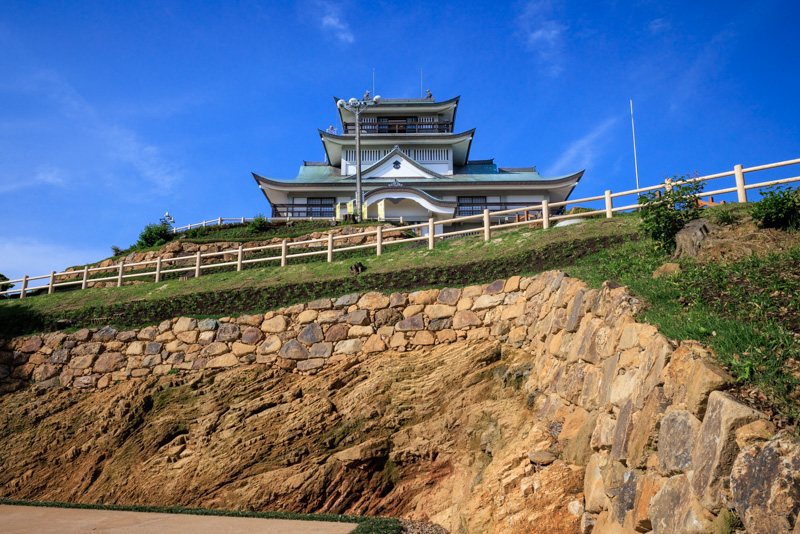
pixel 112 113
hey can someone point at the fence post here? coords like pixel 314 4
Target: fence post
pixel 158 269
pixel 24 287
pixel 242 220
pixel 197 265
pixel 121 270
pixel 401 220
pixel 284 250
pixel 330 248
pixel 379 241
pixel 609 205
pixel 204 223
pixel 52 281
pixel 239 258
pixel 85 277
pixel 431 232
pixel 545 214
pixel 740 191
pixel 487 232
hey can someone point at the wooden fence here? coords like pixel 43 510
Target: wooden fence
pixel 328 244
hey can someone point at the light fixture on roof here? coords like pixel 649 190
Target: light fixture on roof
pixel 356 106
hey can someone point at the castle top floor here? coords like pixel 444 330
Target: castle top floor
pixel 403 116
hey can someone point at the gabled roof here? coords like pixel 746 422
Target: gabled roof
pixel 409 104
pixel 395 153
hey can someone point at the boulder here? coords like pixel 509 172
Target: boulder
pixel 594 491
pixel 464 319
pixel 206 325
pixel 387 317
pixel 674 509
pixel 358 317
pixel 676 441
pixel 715 448
pixel 184 324
pixel 337 332
pixel 275 325
pixel 105 334
pixel 109 362
pixel 765 485
pixel 449 296
pixel 646 428
pixel 228 332
pixel 415 322
pixel 293 350
pixel 311 334
pixel 348 346
pixel 704 378
pixel 373 301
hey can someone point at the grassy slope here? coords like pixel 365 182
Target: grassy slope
pixel 750 324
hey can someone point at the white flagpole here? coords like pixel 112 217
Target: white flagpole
pixel 635 161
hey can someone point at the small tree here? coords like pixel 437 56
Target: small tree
pixel 4 287
pixel 153 233
pixel 258 224
pixel 664 216
pixel 779 208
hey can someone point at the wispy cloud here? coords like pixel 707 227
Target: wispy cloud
pixel 584 152
pixel 543 34
pixel 658 26
pixel 331 20
pixel 43 175
pixel 119 143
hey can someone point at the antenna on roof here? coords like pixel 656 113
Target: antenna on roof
pixel 420 82
pixel 373 80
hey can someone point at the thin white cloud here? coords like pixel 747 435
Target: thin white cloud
pixel 29 256
pixel 658 26
pixel 43 175
pixel 332 21
pixel 120 143
pixel 543 34
pixel 582 153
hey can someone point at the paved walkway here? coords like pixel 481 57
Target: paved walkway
pixel 27 519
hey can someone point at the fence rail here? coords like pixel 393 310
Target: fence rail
pixel 328 246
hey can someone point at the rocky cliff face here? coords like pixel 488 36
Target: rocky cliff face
pixel 550 410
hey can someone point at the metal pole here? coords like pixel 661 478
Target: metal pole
pixel 357 112
pixel 635 161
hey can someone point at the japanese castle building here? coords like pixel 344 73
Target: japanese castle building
pixel 413 165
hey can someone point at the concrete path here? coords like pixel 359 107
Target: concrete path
pixel 27 519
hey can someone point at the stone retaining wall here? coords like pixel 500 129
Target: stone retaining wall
pixel 664 448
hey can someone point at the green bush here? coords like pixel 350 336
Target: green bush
pixel 779 208
pixel 4 287
pixel 258 224
pixel 153 233
pixel 726 215
pixel 665 216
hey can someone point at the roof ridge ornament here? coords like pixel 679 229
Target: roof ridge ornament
pixel 395 183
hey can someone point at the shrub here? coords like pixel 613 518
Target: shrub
pixel 4 287
pixel 258 224
pixel 153 233
pixel 115 250
pixel 663 217
pixel 725 215
pixel 779 208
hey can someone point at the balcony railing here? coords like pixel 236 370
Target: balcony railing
pixel 400 127
pixel 304 211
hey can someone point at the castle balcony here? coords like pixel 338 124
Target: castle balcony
pixel 399 126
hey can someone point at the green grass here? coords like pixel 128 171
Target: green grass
pixel 366 525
